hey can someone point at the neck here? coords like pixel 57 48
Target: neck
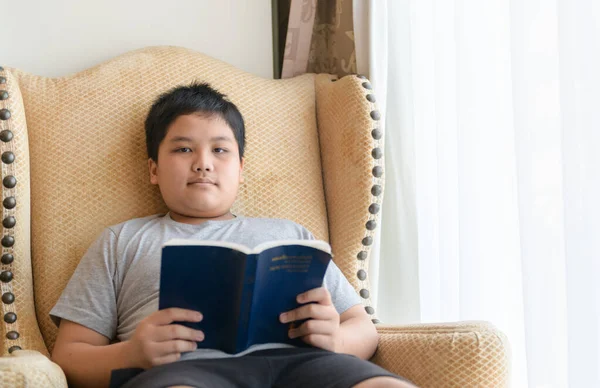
pixel 193 220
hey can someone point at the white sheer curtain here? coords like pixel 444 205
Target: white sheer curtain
pixel 492 202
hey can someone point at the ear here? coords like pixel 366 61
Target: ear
pixel 153 167
pixel 242 170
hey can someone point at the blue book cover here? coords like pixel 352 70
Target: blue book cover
pixel 240 291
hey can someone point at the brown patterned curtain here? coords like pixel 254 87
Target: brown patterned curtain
pixel 320 38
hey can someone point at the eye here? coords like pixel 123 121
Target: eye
pixel 220 150
pixel 183 149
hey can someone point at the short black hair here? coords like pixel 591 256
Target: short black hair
pixel 198 98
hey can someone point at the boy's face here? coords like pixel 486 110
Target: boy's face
pixel 199 168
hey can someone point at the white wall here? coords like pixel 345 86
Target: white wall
pixel 55 38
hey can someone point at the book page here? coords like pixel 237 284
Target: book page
pixel 318 244
pixel 209 243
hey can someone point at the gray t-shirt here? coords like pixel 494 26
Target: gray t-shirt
pixel 116 283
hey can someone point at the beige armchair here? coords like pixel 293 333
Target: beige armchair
pixel 74 161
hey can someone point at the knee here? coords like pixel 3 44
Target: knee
pixel 384 382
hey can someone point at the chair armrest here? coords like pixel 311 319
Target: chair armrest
pixel 462 354
pixel 29 368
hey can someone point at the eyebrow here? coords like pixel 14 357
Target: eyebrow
pixel 180 139
pixel 177 139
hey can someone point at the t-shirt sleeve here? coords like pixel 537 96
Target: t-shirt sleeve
pixel 90 297
pixel 342 293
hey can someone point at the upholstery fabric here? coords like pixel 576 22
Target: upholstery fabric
pixel 26 324
pixel 345 126
pixel 28 368
pixel 452 355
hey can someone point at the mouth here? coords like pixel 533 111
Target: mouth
pixel 202 182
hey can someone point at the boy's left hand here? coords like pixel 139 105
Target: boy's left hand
pixel 322 330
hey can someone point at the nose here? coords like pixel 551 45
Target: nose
pixel 203 162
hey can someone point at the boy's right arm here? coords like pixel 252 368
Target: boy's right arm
pixel 87 358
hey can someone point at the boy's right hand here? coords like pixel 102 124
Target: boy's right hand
pixel 158 341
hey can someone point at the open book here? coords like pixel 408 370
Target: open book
pixel 240 291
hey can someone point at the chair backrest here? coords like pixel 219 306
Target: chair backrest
pixel 80 165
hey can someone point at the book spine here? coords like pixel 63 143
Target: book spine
pixel 246 303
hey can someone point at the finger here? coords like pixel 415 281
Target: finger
pixel 171 332
pixel 166 359
pixel 312 310
pixel 312 326
pixel 320 295
pixel 173 314
pixel 175 346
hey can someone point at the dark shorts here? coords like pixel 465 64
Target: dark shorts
pixel 288 367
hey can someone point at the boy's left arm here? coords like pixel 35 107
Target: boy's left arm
pixel 352 332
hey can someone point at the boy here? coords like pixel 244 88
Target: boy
pixel 108 314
